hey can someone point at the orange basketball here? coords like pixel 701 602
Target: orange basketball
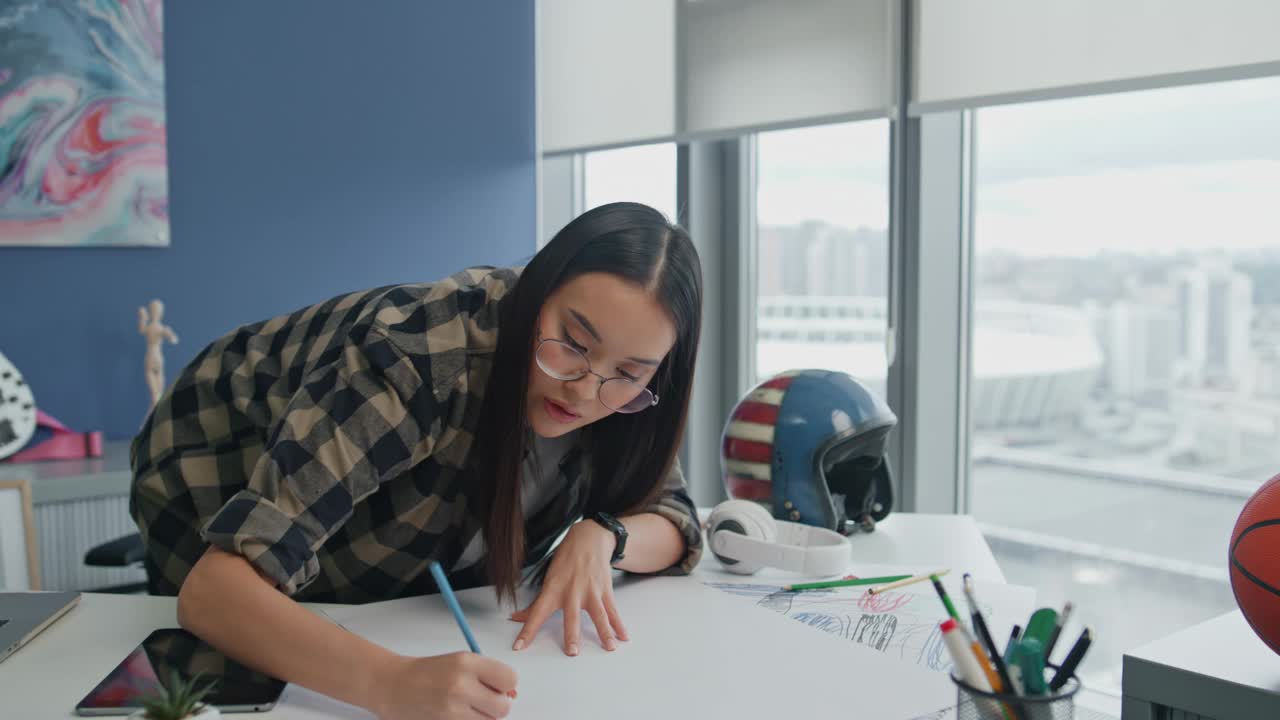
pixel 1254 562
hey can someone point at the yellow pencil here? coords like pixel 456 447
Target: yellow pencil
pixel 908 581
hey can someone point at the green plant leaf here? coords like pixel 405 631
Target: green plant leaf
pixel 178 698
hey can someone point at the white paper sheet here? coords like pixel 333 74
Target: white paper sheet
pixel 694 652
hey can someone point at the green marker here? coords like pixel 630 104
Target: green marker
pixel 846 583
pixel 1031 660
pixel 1041 626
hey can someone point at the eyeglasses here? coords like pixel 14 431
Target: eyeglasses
pixel 562 361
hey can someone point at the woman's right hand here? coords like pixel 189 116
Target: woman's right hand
pixel 457 685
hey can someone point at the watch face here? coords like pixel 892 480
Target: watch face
pixel 17 409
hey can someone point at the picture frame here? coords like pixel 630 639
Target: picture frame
pixel 17 511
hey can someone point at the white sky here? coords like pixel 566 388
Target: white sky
pixel 1162 171
pixel 1154 210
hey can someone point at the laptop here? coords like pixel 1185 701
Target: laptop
pixel 23 615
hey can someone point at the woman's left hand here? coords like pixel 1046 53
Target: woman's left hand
pixel 580 578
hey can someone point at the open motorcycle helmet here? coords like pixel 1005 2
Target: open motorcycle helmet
pixel 810 446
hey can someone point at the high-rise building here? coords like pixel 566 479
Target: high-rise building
pixel 1229 323
pixel 819 260
pixel 1141 348
pixel 1268 373
pixel 1215 315
pixel 769 261
pixel 1192 298
pixel 793 242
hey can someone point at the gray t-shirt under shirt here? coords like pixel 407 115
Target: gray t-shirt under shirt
pixel 540 480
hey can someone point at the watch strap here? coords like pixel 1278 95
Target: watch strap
pixel 619 531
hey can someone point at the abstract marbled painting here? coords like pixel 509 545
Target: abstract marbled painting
pixel 82 123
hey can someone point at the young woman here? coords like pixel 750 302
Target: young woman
pixel 331 454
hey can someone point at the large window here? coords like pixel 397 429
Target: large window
pixel 1125 389
pixel 822 213
pixel 644 174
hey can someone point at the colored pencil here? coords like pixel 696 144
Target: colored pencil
pixel 946 600
pixel 846 583
pixel 906 582
pixel 451 600
pixel 446 592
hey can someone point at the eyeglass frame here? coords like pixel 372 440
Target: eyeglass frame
pixel 542 341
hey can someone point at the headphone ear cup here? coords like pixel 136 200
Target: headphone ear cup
pixel 764 521
pixel 745 518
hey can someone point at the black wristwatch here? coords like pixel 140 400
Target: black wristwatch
pixel 611 524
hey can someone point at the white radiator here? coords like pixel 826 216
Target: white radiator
pixel 66 530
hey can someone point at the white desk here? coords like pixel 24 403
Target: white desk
pixel 1218 669
pixel 47 677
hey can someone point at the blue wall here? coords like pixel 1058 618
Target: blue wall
pixel 315 147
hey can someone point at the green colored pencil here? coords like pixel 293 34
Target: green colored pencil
pixel 846 583
pixel 946 601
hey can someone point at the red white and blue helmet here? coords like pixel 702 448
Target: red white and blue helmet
pixel 810 446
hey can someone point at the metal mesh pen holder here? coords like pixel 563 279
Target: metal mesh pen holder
pixel 975 704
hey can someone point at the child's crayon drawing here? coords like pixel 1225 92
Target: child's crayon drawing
pixel 900 624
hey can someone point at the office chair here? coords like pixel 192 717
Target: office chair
pixel 124 551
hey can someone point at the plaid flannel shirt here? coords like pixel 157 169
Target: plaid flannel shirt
pixel 328 447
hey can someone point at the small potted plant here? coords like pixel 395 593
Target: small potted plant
pixel 179 700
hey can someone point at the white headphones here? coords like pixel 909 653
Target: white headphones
pixel 744 537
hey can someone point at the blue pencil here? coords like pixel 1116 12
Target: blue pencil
pixel 446 591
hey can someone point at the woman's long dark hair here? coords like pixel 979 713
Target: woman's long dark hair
pixel 629 454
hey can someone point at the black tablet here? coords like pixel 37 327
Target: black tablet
pixel 238 688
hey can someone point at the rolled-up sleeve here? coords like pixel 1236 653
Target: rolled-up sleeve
pixel 675 505
pixel 364 419
pixel 253 527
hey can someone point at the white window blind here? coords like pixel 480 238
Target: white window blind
pixel 982 52
pixel 758 64
pixel 606 72
pixel 627 72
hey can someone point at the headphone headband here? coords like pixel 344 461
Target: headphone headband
pixel 745 537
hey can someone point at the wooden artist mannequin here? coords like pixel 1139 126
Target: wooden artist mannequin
pixel 150 327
